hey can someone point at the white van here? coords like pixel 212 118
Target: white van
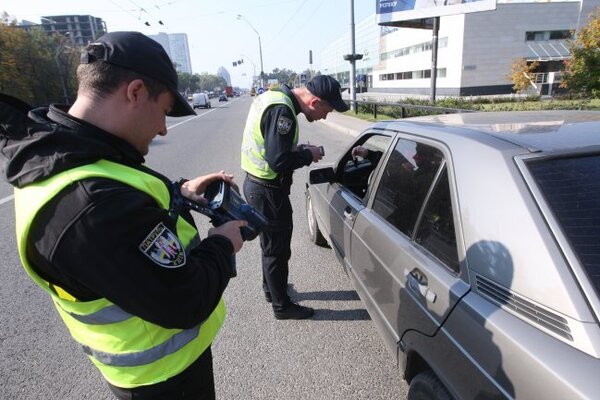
pixel 201 100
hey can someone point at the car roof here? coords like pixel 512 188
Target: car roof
pixel 533 130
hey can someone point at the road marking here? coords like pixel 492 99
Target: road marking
pixel 7 199
pixel 197 116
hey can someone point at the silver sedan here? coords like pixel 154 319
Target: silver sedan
pixel 474 242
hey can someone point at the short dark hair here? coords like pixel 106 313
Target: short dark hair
pixel 102 79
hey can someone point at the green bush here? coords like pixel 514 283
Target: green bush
pixel 529 103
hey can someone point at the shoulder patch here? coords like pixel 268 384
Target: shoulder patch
pixel 284 125
pixel 163 247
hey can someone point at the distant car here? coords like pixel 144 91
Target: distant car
pixel 253 92
pixel 201 100
pixel 223 97
pixel 473 241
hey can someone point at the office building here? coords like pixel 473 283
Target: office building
pixel 176 46
pixel 223 73
pixel 475 50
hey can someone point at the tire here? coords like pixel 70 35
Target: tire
pixel 427 386
pixel 313 227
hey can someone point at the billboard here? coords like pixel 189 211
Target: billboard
pixel 390 11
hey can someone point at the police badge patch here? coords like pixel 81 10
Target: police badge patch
pixel 163 247
pixel 284 125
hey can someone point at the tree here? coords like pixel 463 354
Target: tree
pixel 283 76
pixel 582 70
pixel 35 67
pixel 521 74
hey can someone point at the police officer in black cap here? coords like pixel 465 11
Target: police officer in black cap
pixel 101 233
pixel 270 154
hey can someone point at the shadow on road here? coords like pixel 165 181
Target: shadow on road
pixel 358 314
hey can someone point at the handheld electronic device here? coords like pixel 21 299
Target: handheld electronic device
pixel 224 205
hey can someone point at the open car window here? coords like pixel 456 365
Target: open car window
pixel 356 173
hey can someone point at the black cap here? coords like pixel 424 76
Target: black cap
pixel 327 88
pixel 141 54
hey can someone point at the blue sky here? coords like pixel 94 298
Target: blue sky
pixel 288 29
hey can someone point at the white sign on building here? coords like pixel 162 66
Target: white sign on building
pixel 389 11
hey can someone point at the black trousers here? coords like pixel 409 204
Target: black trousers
pixel 195 383
pixel 274 203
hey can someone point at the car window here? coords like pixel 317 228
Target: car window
pixel 404 183
pixel 356 174
pixel 435 231
pixel 571 187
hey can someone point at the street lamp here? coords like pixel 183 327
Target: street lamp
pixel 262 73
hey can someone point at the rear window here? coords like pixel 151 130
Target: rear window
pixel 572 189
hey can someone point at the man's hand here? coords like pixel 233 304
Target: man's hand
pixel 194 188
pixel 359 151
pixel 232 231
pixel 315 151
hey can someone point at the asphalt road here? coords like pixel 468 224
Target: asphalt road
pixel 336 355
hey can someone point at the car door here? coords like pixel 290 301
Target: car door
pixel 404 248
pixel 346 197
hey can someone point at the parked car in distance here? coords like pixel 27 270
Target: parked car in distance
pixel 201 100
pixel 223 97
pixel 474 242
pixel 253 92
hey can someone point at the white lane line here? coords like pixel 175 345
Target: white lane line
pixel 7 199
pixel 197 116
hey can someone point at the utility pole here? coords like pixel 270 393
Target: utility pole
pixel 352 58
pixel 434 53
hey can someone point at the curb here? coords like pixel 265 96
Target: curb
pixel 343 129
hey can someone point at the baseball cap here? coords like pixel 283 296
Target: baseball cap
pixel 327 88
pixel 139 53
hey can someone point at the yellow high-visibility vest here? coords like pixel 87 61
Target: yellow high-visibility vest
pixel 128 350
pixel 253 143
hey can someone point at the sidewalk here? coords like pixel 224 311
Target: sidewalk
pixel 344 123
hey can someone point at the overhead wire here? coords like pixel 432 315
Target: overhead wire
pixel 293 33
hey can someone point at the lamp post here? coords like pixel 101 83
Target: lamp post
pixel 253 66
pixel 262 73
pixel 60 73
pixel 57 53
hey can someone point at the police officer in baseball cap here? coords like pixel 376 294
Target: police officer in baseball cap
pixel 100 232
pixel 270 154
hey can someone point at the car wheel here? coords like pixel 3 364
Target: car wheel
pixel 427 386
pixel 313 227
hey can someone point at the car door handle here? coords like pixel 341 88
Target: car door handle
pixel 348 213
pixel 417 282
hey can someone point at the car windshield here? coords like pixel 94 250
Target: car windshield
pixel 571 187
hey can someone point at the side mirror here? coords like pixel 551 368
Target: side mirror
pixel 321 175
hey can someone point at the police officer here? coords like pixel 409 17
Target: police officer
pixel 101 233
pixel 270 154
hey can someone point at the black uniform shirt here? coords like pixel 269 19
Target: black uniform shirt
pixel 87 238
pixel 278 125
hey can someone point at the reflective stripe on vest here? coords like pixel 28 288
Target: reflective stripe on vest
pixel 127 350
pixel 253 142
